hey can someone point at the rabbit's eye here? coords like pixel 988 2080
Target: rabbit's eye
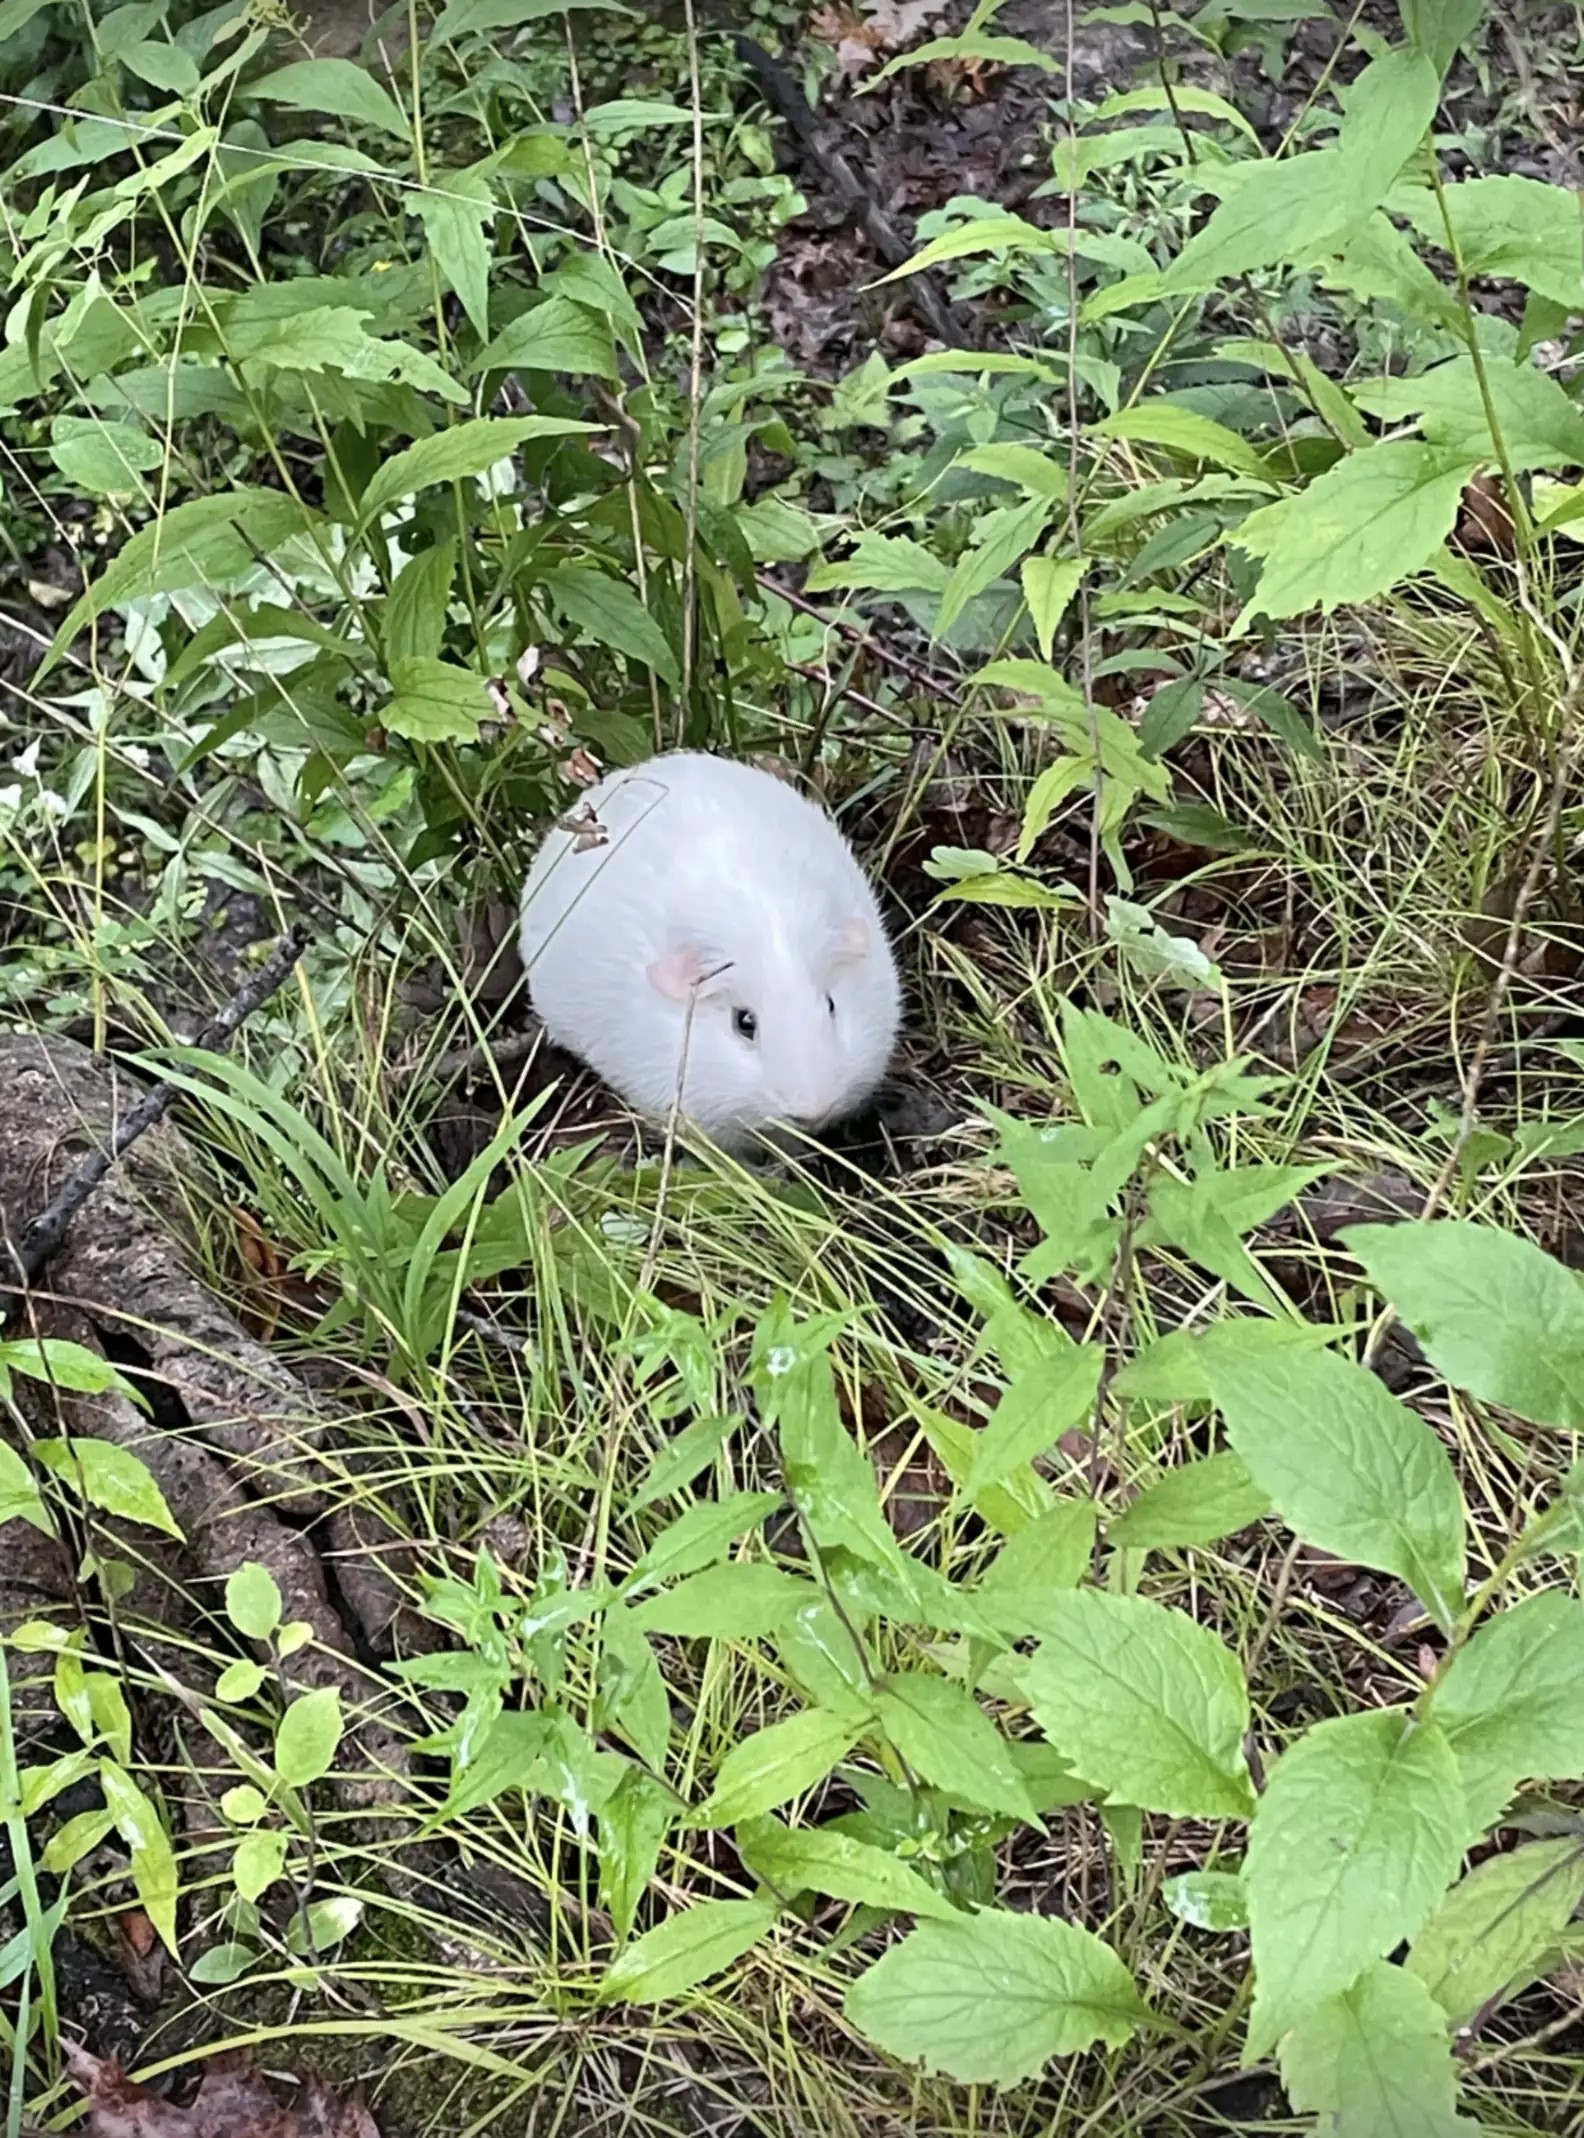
pixel 830 1004
pixel 745 1024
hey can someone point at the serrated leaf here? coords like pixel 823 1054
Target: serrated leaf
pixel 1183 431
pixel 555 335
pixel 435 701
pixel 1373 519
pixel 883 564
pixel 945 1736
pixel 308 1737
pixel 110 1478
pixel 613 616
pixel 1387 110
pixel 1539 425
pixel 1497 1925
pixel 453 455
pixel 1376 2062
pixel 1046 1400
pixel 820 1860
pixel 1520 228
pixel 1495 1314
pixel 777 1763
pixel 457 218
pixel 1040 474
pixel 1001 538
pixel 990 2000
pixel 1209 1900
pixel 1197 1503
pixel 1049 584
pixel 1146 1704
pixel 338 87
pixel 20 1498
pixel 685 1949
pixel 700 1535
pixel 1509 1703
pixel 1356 1838
pixel 737 1602
pixel 253 1601
pixel 1051 1552
pixel 1286 211
pixel 1348 1467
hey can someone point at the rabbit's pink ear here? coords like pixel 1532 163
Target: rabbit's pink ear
pixel 690 968
pixel 850 941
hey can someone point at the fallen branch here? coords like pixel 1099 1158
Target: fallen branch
pixel 45 1234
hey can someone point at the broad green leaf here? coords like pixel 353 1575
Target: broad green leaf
pixel 1183 431
pixel 687 1948
pixel 163 66
pixel 253 1601
pixel 240 1681
pixel 612 615
pixel 1509 1703
pixel 336 86
pixel 1498 1925
pixel 20 1498
pixel 107 459
pixel 555 335
pixel 1040 474
pixel 683 1457
pixel 1001 538
pixel 259 1860
pixel 435 701
pixel 110 1478
pixel 998 51
pixel 205 543
pixel 633 1823
pixel 453 455
pixel 1520 228
pixel 308 1737
pixel 56 1359
pixel 1440 27
pixel 1141 1700
pixel 1357 1836
pixel 777 1763
pixel 1049 584
pixel 1001 234
pixel 631 1696
pixel 1348 1467
pixel 1495 1314
pixel 626 115
pixel 1285 211
pixel 222 1964
pixel 819 1860
pixel 1175 1368
pixel 1376 2062
pixel 1051 1552
pixel 152 1859
pixel 1386 112
pixel 461 18
pixel 990 2000
pixel 740 1602
pixel 413 618
pixel 1046 1400
pixel 1209 1900
pixel 1182 96
pixel 700 1535
pixel 945 1736
pixel 883 564
pixel 1197 1503
pixel 323 1924
pixel 1539 425
pixel 457 218
pixel 1370 521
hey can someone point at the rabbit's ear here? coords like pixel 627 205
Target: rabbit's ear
pixel 692 968
pixel 850 942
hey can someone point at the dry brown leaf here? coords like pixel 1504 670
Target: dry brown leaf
pixel 871 30
pixel 232 2101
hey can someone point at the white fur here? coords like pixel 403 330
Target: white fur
pixel 718 889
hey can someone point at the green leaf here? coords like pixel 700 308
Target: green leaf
pixel 1387 111
pixel 1357 1835
pixel 152 1859
pixel 1051 1552
pixel 20 1498
pixel 776 1764
pixel 1494 1313
pixel 1376 2062
pixel 999 51
pixel 1347 1466
pixel 1373 519
pixel 164 66
pixel 700 1535
pixel 239 1681
pixel 1519 228
pixel 335 86
pixel 259 1860
pixel 253 1601
pixel 683 1457
pixel 633 1823
pixel 945 1736
pixel 1025 466
pixel 1279 212
pixel 222 1964
pixel 1002 234
pixel 1498 1926
pixel 435 701
pixel 1197 1503
pixel 883 564
pixel 1000 538
pixel 1509 1703
pixel 1049 584
pixel 612 615
pixel 685 1949
pixel 323 1924
pixel 57 1360
pixel 308 1737
pixel 1182 96
pixel 1142 1701
pixel 736 1602
pixel 453 455
pixel 413 618
pixel 110 1478
pixel 461 18
pixel 107 459
pixel 457 219
pixel 1209 1900
pixel 555 335
pixel 819 1860
pixel 990 2000
pixel 1047 1399
pixel 1540 426
pixel 1183 431
pixel 1439 28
